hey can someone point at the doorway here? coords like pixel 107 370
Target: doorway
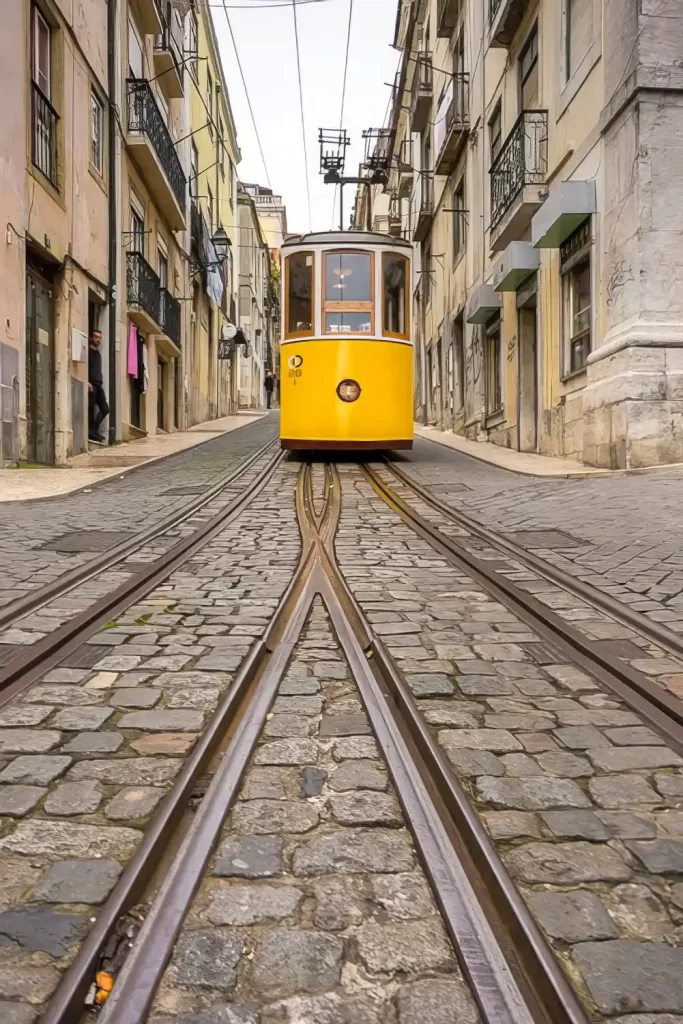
pixel 40 357
pixel 161 391
pixel 527 369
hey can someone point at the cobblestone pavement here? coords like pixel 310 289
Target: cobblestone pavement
pixel 583 802
pixel 315 909
pixel 40 540
pixel 623 535
pixel 87 753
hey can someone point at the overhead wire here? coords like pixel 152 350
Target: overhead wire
pixel 303 119
pixel 343 99
pixel 246 90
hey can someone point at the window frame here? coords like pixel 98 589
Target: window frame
pixel 496 116
pixel 37 19
pixel 405 336
pixel 459 234
pixel 293 335
pixel 351 305
pixel 220 146
pixel 530 43
pixel 208 99
pixel 569 266
pixel 494 327
pixel 96 102
pixel 193 38
pixel 570 71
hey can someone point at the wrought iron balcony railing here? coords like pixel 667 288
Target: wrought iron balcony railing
pixel 145 117
pixel 170 316
pixel 44 135
pixel 522 161
pixel 143 286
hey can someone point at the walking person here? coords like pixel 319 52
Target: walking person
pixel 269 385
pixel 98 407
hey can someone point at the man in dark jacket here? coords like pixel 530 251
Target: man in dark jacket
pixel 269 385
pixel 98 408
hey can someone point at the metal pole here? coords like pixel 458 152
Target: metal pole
pixel 113 247
pixel 341 206
pixel 369 187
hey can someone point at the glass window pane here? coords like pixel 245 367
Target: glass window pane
pixel 579 32
pixel 581 287
pixel 394 295
pixel 300 288
pixel 348 323
pixel 347 277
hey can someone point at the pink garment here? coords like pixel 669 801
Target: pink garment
pixel 132 358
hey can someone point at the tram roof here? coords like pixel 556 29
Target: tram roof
pixel 346 238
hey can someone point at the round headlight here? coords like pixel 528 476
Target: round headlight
pixel 348 390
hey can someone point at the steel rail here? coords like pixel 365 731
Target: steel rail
pixel 38 658
pixel 259 672
pixel 647 698
pixel 654 631
pixel 81 573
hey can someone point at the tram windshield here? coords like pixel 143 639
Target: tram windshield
pixel 348 277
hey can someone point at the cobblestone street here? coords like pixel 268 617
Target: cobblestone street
pixel 315 904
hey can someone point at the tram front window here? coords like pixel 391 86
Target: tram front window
pixel 299 294
pixel 395 296
pixel 348 277
pixel 348 323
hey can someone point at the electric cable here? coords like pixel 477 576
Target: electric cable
pixel 303 120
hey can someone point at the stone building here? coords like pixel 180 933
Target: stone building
pixel 255 306
pixel 536 168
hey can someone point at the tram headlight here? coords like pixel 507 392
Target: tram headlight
pixel 348 390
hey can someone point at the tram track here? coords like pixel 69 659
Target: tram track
pixel 644 695
pixel 511 971
pixel 35 659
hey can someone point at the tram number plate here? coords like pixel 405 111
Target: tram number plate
pixel 295 363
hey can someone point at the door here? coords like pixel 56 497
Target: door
pixel 40 405
pixel 527 375
pixel 161 387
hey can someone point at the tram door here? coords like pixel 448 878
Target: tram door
pixel 40 358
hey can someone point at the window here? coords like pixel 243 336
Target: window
pixel 459 220
pixel 528 72
pixel 96 132
pixel 137 232
pixel 220 147
pixel 426 274
pixel 494 381
pixel 575 269
pixel 299 281
pixel 395 273
pixel 578 32
pixel 209 207
pixel 42 54
pixel 348 296
pixel 192 44
pixel 162 263
pixel 194 168
pixel 209 101
pixel 135 52
pixel 458 345
pixel 496 132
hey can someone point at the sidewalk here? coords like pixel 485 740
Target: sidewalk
pixel 527 463
pixel 104 463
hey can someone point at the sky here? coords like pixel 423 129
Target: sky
pixel 266 44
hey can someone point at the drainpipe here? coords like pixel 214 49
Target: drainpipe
pixel 113 248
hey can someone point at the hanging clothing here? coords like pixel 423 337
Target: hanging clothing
pixel 132 354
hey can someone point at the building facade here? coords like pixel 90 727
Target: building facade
pixel 255 305
pixel 536 169
pixel 119 185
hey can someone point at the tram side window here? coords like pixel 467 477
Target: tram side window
pixel 299 294
pixel 348 293
pixel 395 271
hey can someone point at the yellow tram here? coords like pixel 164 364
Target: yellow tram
pixel 346 356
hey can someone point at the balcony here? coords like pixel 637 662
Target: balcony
pixel 149 16
pixel 518 178
pixel 505 17
pixel 452 123
pixel 169 312
pixel 422 92
pixel 168 53
pixel 447 15
pixel 44 136
pixel 143 293
pixel 153 150
pixel 424 211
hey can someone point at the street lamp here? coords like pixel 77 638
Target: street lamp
pixel 221 243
